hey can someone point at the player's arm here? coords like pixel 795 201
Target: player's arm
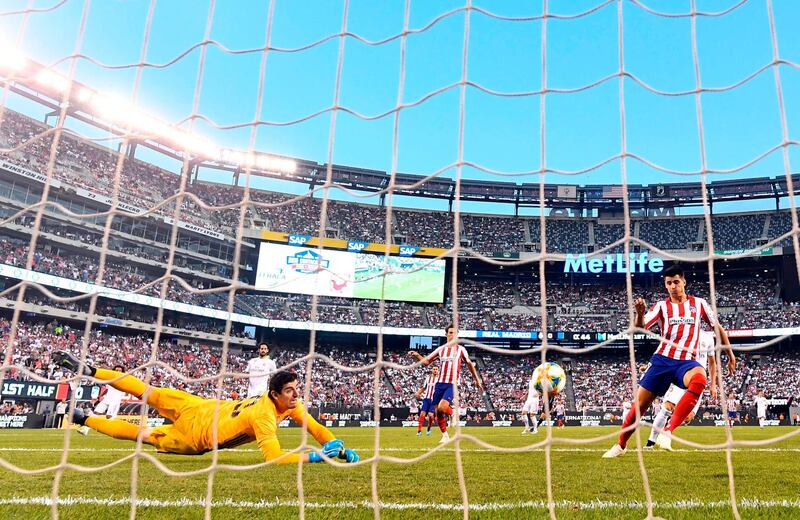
pixel 726 344
pixel 712 374
pixel 425 360
pixel 474 372
pixel 331 446
pixel 646 320
pixel 710 317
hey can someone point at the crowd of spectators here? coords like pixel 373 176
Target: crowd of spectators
pixel 83 164
pixel 493 234
pixel 600 379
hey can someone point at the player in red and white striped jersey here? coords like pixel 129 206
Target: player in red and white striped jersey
pixel 674 362
pixel 427 408
pixel 450 356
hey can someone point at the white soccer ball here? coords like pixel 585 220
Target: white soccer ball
pixel 549 376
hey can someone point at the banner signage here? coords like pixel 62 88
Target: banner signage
pixel 729 252
pixel 408 250
pixel 355 246
pixel 27 390
pixel 637 263
pixel 298 240
pixel 22 172
pixel 27 421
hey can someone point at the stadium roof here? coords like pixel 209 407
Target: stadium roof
pixel 38 83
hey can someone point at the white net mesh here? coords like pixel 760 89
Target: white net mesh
pixel 127 184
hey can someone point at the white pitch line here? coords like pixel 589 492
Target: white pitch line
pixel 416 450
pixel 747 503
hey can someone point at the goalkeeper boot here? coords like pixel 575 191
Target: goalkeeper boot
pixel 66 360
pixel 445 438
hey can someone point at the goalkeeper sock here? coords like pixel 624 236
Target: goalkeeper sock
pixel 535 422
pixel 525 420
pixel 421 422
pixel 116 428
pixel 127 384
pixel 684 407
pixel 658 423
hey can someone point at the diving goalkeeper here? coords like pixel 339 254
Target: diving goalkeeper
pixel 191 431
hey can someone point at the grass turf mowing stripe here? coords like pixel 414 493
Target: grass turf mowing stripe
pixel 746 503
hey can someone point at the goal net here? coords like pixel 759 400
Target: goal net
pixel 159 177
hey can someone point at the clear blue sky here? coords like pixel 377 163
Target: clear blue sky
pixel 500 133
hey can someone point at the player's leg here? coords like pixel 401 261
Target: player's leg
pixel 660 420
pixel 535 422
pixel 527 427
pixel 431 419
pixel 695 382
pixel 116 428
pixel 119 380
pixel 693 377
pixel 644 398
pixel 420 422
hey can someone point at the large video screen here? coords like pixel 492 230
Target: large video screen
pixel 307 270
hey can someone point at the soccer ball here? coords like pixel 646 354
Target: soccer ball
pixel 549 376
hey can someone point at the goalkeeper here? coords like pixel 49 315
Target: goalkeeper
pixel 192 428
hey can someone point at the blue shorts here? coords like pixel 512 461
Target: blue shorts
pixel 442 391
pixel 427 406
pixel 663 371
pixel 731 415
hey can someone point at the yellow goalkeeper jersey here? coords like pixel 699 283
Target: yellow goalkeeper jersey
pixel 244 421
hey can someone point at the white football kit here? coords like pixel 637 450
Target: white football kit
pixel 761 407
pixel 260 370
pixel 110 403
pixel 705 350
pixel 532 402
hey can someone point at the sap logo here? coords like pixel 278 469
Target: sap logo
pixel 356 246
pixel 681 321
pixel 408 250
pixel 298 240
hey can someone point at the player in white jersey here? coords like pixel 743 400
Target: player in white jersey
pixel 260 369
pixel 109 403
pixel 530 410
pixel 673 396
pixel 450 356
pixel 679 317
pixel 626 407
pixel 761 408
pixel 733 407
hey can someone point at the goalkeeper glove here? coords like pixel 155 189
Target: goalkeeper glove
pixel 349 456
pixel 330 449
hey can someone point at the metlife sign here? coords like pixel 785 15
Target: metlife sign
pixel 637 263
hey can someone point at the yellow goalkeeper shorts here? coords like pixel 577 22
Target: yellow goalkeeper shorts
pixel 170 439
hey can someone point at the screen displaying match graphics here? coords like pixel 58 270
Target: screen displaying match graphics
pixel 304 270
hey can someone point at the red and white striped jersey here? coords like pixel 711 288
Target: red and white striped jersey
pixel 732 404
pixel 680 324
pixel 450 357
pixel 430 386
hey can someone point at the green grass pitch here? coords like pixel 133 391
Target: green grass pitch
pixel 499 485
pixel 417 286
